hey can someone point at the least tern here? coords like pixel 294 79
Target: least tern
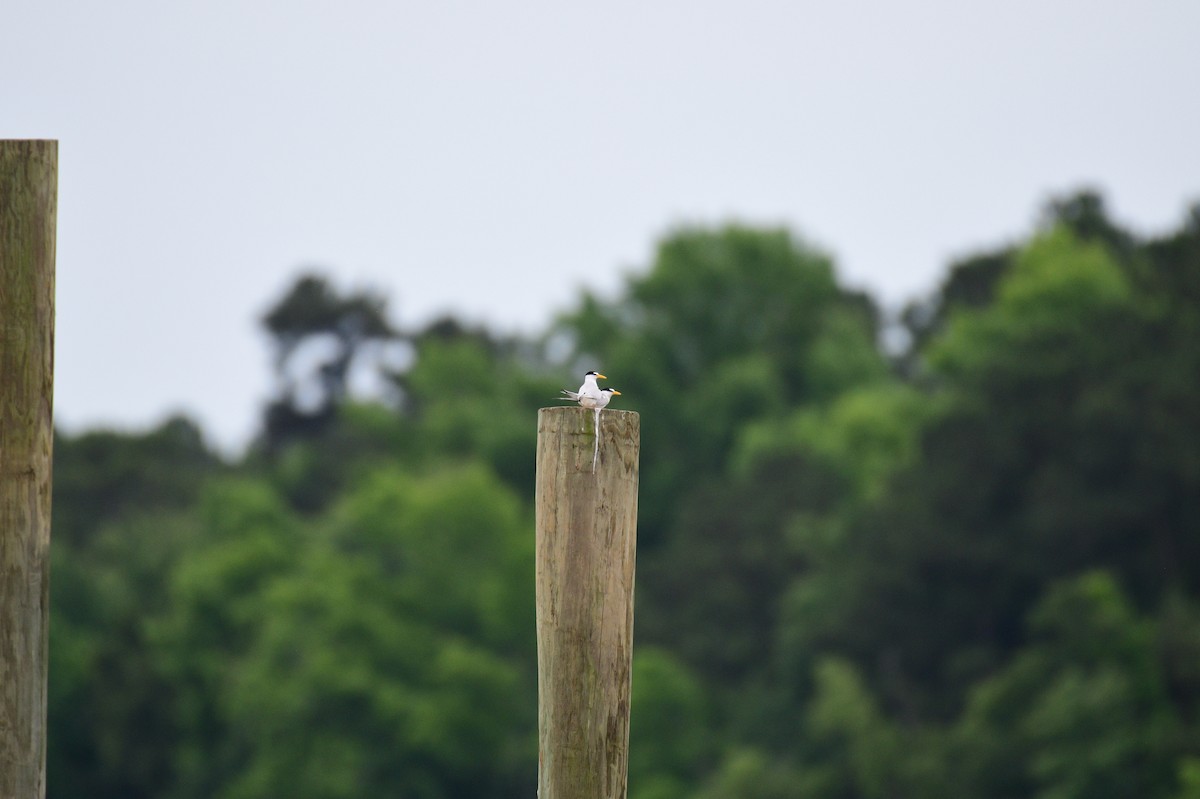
pixel 606 395
pixel 589 394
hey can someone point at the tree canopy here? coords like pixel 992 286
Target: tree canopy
pixel 968 568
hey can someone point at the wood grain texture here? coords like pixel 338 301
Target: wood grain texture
pixel 586 544
pixel 28 217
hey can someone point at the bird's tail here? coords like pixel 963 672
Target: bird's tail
pixel 570 395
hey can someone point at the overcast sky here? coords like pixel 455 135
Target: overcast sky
pixel 491 159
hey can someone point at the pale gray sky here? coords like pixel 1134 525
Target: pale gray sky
pixel 491 159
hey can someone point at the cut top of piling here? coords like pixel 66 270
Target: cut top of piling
pixel 569 431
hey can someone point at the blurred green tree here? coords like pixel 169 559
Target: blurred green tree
pixel 105 475
pixel 318 334
pixel 384 652
pixel 670 736
pixel 213 614
pixel 1083 711
pixel 727 326
pixel 980 581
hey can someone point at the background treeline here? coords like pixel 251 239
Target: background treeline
pixel 965 566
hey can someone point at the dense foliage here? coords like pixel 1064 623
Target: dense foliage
pixel 970 568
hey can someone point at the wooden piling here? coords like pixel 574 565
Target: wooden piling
pixel 586 544
pixel 28 216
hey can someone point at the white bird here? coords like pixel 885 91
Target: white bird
pixel 594 398
pixel 589 394
pixel 606 395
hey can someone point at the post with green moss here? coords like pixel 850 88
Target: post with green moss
pixel 586 545
pixel 28 211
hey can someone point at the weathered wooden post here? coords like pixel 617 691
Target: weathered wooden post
pixel 586 542
pixel 28 214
